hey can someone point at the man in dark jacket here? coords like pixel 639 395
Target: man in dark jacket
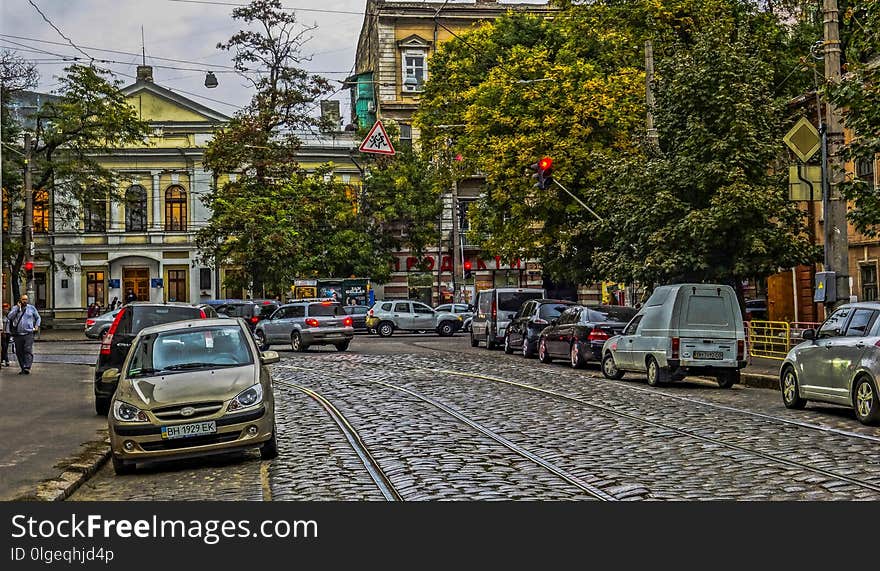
pixel 22 322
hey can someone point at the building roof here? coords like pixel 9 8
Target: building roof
pixel 142 85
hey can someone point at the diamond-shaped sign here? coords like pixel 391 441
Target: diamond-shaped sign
pixel 803 139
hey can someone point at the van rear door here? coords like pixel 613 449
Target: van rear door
pixel 708 323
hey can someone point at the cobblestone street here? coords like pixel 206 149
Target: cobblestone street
pixel 427 418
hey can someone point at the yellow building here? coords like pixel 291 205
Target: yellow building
pixel 145 243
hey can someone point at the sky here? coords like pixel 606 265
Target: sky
pixel 174 29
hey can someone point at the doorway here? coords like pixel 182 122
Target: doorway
pixel 138 280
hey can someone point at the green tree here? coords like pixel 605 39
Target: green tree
pixel 858 97
pixel 88 118
pixel 261 143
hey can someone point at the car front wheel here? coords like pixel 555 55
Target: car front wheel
pixel 609 368
pixel 121 467
pixel 446 329
pixel 866 401
pixel 102 405
pixel 791 397
pixel 269 449
pixel 507 348
pixel 260 337
pixel 543 355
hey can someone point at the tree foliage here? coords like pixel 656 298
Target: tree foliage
pixel 707 206
pixel 858 97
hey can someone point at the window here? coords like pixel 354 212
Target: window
pixel 401 307
pixel 41 211
pixel 96 215
pixel 513 300
pixel 508 278
pixel 95 288
pixel 869 282
pixel 833 326
pixel 551 310
pixel 415 70
pixel 204 278
pixel 485 301
pixel 386 307
pixel 177 285
pixel 419 308
pixel 865 171
pixel 175 209
pixel 406 136
pixel 633 325
pixel 325 309
pixel 861 323
pixel 136 209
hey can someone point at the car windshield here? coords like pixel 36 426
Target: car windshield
pixel 512 300
pixel 550 311
pixel 325 309
pixel 188 349
pixel 616 313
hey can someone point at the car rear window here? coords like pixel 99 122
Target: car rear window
pixel 386 307
pixel 618 314
pixel 238 310
pixel 512 300
pixel 140 317
pixel 550 311
pixel 325 309
pixel 356 310
pixel 707 310
pixel 265 309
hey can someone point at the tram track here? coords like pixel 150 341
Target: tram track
pixel 564 475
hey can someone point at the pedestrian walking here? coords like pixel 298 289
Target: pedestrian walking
pixel 130 296
pixel 114 303
pixel 22 322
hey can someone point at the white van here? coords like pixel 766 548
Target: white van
pixel 495 308
pixel 683 329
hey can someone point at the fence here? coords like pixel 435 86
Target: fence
pixel 774 339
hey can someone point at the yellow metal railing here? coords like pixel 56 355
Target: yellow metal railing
pixel 768 339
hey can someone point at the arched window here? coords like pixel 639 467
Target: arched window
pixel 136 209
pixel 175 209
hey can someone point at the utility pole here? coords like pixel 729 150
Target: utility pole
pixel 456 245
pixel 28 216
pixel 836 236
pixel 653 136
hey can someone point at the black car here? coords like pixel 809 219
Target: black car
pixel 252 311
pixel 128 323
pixel 580 332
pixel 525 327
pixel 358 315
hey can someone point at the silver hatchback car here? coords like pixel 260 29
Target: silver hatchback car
pixel 839 363
pixel 306 323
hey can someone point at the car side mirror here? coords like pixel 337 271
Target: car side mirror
pixel 808 334
pixel 269 357
pixel 110 375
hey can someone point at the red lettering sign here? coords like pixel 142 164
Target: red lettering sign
pixel 481 265
pixel 411 262
pixel 446 265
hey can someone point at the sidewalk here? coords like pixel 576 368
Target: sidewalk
pixel 762 373
pixel 47 417
pixel 66 335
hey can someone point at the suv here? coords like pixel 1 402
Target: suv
pixel 529 321
pixel 495 308
pixel 387 316
pixel 306 323
pixel 130 320
pixel 252 311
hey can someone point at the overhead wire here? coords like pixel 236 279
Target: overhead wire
pixel 60 33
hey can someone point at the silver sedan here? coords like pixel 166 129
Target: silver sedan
pixel 96 327
pixel 839 363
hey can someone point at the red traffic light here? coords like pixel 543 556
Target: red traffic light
pixel 545 163
pixel 28 266
pixel 468 265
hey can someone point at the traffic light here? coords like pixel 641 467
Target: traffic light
pixel 468 274
pixel 28 266
pixel 543 173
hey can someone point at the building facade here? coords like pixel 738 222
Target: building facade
pixel 392 65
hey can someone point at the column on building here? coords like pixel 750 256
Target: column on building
pixel 157 201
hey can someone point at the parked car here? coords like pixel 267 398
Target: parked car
pixel 358 315
pixel 219 302
pixel 129 321
pixel 526 326
pixel 683 329
pixel 252 311
pixel 211 312
pixel 306 323
pixel 403 315
pixel 581 331
pixel 839 363
pixel 756 309
pixel 96 327
pixel 495 308
pixel 465 310
pixel 188 389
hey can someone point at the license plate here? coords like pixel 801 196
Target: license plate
pixel 187 430
pixel 708 355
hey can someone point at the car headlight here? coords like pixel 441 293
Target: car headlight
pixel 249 397
pixel 124 412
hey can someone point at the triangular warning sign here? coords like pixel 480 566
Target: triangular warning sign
pixel 377 141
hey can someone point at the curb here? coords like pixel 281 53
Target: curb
pixel 76 471
pixel 760 381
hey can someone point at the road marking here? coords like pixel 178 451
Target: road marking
pixel 264 481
